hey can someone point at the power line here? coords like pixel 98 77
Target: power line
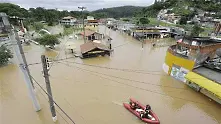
pixel 55 109
pixel 118 69
pixel 53 100
pixel 142 82
pixel 147 89
pixel 37 63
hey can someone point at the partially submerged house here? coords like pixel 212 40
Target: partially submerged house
pixel 195 62
pixel 92 49
pixel 92 35
pixel 91 21
pixel 144 32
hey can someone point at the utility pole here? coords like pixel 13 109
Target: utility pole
pixel 24 68
pixel 82 9
pixel 143 36
pixel 105 27
pixel 48 86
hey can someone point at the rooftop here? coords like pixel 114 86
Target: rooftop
pixel 150 28
pixel 68 17
pixel 209 73
pixel 88 33
pixel 92 45
pixel 204 83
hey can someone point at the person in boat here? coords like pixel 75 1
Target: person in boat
pixel 147 109
pixel 133 105
pixel 145 113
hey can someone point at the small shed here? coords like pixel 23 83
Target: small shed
pixel 92 35
pixel 92 49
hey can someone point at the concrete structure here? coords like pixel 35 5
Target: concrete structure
pixel 188 54
pixel 4 23
pixel 171 17
pixel 194 55
pixel 204 85
pixel 90 18
pixel 69 20
pixel 152 32
pixel 92 35
pixel 125 27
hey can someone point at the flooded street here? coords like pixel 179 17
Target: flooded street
pixel 94 94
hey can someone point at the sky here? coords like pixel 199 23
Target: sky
pixel 73 4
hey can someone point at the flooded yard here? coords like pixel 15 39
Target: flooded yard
pixel 93 90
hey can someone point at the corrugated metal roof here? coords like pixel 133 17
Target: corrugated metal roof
pixel 209 73
pixel 92 45
pixel 205 83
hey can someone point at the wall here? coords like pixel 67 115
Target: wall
pixel 171 59
pixel 210 95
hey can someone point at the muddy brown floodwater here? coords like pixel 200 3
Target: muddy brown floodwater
pixel 94 95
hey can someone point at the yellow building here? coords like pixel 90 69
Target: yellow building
pixel 177 65
pixel 204 85
pixel 188 54
pixel 187 61
pixel 91 27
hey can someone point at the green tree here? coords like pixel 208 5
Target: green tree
pixel 50 23
pixel 183 20
pixel 126 20
pixel 144 21
pixel 5 55
pixel 49 40
pixel 196 30
pixel 38 26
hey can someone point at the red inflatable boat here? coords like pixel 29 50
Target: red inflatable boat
pixel 154 119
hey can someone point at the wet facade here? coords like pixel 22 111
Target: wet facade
pixel 192 60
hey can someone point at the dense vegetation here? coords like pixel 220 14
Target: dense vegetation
pixel 37 14
pixel 117 12
pixel 53 15
pixel 196 30
pixel 5 55
pixel 49 40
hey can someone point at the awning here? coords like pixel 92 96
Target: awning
pixel 205 83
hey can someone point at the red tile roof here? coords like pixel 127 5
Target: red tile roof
pixel 87 33
pixel 92 45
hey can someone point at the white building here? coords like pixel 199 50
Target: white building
pixel 90 18
pixel 69 20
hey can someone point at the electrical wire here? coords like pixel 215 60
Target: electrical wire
pixel 142 82
pixel 55 109
pixel 118 69
pixel 37 63
pixel 53 100
pixel 57 56
pixel 105 67
pixel 149 90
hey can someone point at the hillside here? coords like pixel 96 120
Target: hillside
pixel 117 12
pixel 52 15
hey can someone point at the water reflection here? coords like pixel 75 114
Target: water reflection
pixel 95 95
